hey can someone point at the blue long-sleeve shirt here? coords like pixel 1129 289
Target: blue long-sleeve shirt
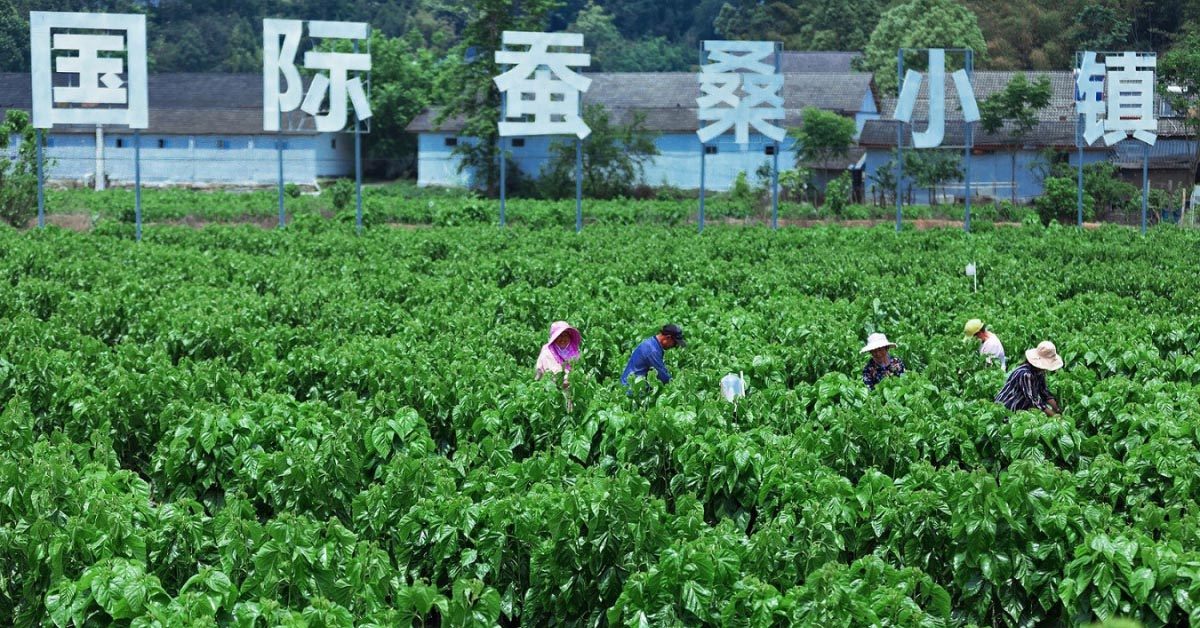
pixel 648 355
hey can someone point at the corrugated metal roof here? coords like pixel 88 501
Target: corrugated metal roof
pixel 668 99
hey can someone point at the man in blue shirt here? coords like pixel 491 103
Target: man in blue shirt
pixel 649 355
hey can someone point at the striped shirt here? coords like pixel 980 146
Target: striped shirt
pixel 1025 389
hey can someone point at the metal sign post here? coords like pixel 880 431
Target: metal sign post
pixel 41 182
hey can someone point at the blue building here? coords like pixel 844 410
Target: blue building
pixel 992 172
pixel 205 129
pixel 668 102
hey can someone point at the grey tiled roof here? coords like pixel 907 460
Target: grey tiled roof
pixel 1056 122
pixel 813 61
pixel 668 99
pixel 180 103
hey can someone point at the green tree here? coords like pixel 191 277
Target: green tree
pixel 471 93
pixel 830 25
pixel 1179 82
pixel 18 176
pixel 1014 111
pixel 823 136
pixel 612 158
pixel 921 24
pixel 933 168
pixel 612 52
pixel 403 83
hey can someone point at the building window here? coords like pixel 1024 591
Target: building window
pixel 710 150
pixel 769 150
pixel 451 141
pixel 222 144
pixel 518 142
pixel 333 143
pixel 162 143
pixel 120 142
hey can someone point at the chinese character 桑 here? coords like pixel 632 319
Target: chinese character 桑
pixel 542 84
pixel 96 65
pixel 734 65
pixel 333 83
pixel 933 134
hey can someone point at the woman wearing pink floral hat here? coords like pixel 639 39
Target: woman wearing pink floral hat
pixel 559 353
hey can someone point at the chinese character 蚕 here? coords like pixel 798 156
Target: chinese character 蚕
pixel 542 84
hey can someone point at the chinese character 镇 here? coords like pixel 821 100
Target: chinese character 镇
pixel 549 94
pixel 739 64
pixel 333 84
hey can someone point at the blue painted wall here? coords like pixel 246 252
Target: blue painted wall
pixel 202 159
pixel 678 163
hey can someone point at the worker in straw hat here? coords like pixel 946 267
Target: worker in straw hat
pixel 991 346
pixel 882 363
pixel 1026 388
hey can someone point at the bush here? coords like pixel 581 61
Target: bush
pixel 18 177
pixel 837 194
pixel 342 193
pixel 1060 201
pixel 291 190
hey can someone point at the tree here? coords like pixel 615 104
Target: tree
pixel 1179 82
pixel 824 136
pixel 612 158
pixel 18 177
pixel 920 24
pixel 1014 109
pixel 468 83
pixel 829 25
pixel 612 52
pixel 403 83
pixel 931 169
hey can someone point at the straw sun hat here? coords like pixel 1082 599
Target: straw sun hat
pixel 972 327
pixel 876 341
pixel 1045 356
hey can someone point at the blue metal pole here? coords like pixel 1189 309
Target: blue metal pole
pixel 503 168
pixel 137 182
pixel 578 185
pixel 899 140
pixel 279 151
pixel 358 215
pixel 41 182
pixel 703 160
pixel 1079 178
pixel 967 157
pixel 775 190
pixel 1145 182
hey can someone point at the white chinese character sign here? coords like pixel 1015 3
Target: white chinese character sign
pixel 105 58
pixel 326 97
pixel 935 132
pixel 541 89
pixel 740 90
pixel 1121 89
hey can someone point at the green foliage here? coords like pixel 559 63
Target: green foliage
pixel 837 193
pixel 612 158
pixel 1060 201
pixel 1014 111
pixel 18 175
pixel 613 52
pixel 921 24
pixel 824 136
pixel 342 193
pixel 240 426
pixel 933 168
pixel 835 25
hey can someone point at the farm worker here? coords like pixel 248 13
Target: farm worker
pixel 1025 388
pixel 991 346
pixel 649 355
pixel 881 364
pixel 559 353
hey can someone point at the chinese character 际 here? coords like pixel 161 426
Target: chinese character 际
pixel 333 84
